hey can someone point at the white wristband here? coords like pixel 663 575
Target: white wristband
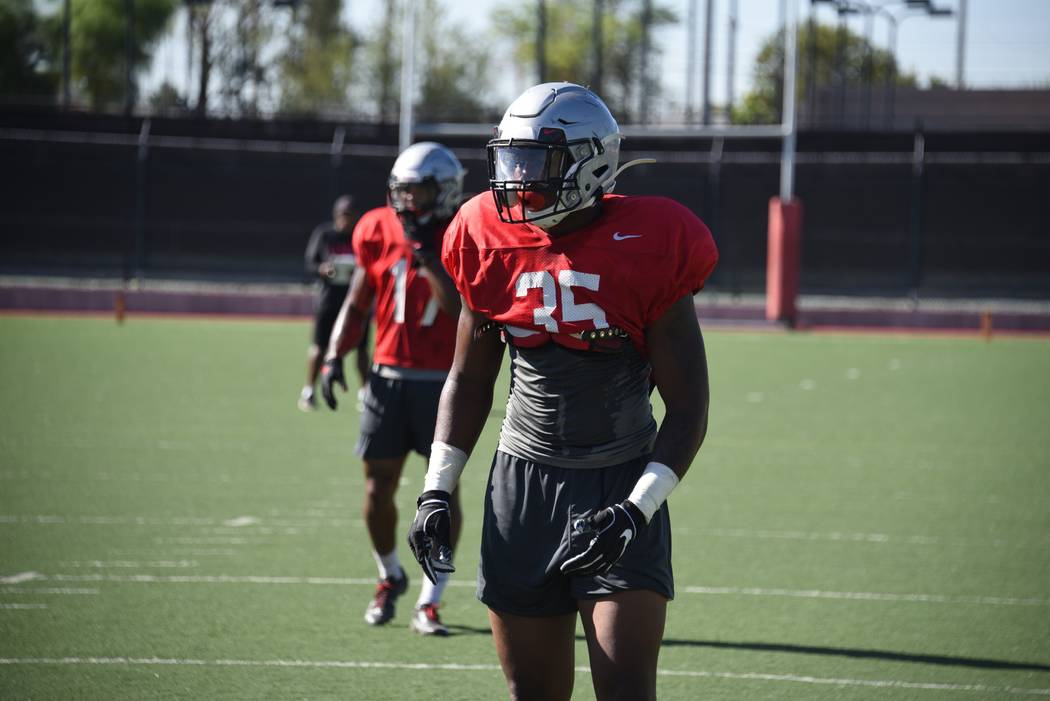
pixel 445 466
pixel 652 488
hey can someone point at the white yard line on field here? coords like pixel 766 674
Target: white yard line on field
pixel 74 591
pixel 307 520
pixel 869 596
pixel 494 669
pixel 219 527
pixel 20 577
pixel 814 535
pixel 732 591
pixel 131 564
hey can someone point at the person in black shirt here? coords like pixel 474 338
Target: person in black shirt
pixel 330 258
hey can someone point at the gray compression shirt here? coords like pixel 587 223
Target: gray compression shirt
pixel 578 409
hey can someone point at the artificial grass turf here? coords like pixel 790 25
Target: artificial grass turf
pixel 866 509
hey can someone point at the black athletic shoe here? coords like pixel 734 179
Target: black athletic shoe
pixel 381 609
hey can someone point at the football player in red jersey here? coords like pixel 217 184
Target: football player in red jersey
pixel 416 307
pixel 592 295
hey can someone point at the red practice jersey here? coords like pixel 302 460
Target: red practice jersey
pixel 411 329
pixel 622 271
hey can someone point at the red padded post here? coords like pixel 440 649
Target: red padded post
pixel 783 261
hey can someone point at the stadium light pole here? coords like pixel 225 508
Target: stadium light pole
pixel 541 40
pixel 731 59
pixel 645 81
pixel 690 61
pixel 960 48
pixel 408 75
pixel 705 116
pixel 787 166
pixel 895 21
pixel 869 11
pixel 129 56
pixel 66 21
pixel 598 40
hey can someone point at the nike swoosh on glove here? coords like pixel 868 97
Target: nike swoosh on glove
pixel 429 536
pixel 614 527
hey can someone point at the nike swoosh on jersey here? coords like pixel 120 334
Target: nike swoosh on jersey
pixel 623 237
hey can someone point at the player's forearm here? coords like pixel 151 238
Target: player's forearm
pixel 676 352
pixel 312 257
pixel 677 443
pixel 347 331
pixel 680 436
pixel 464 408
pixel 441 287
pixel 462 412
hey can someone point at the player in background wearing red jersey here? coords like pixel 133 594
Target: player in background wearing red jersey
pixel 416 307
pixel 592 295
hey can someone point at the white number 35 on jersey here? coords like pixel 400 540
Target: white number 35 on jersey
pixel 570 311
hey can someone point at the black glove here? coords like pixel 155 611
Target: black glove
pixel 430 535
pixel 422 237
pixel 614 527
pixel 332 374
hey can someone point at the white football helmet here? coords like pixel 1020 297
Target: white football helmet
pixel 555 152
pixel 437 170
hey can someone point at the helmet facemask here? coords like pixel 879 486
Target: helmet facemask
pixel 413 199
pixel 425 183
pixel 535 181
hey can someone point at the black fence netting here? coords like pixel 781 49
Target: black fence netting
pixel 944 214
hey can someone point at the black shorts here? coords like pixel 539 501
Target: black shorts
pixel 398 417
pixel 527 534
pixel 329 302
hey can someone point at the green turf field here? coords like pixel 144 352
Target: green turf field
pixel 869 519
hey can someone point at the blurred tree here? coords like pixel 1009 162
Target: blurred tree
pixel 99 32
pixel 167 99
pixel 241 57
pixel 453 70
pixel 203 18
pixel 382 65
pixel 316 71
pixel 569 50
pixel 26 65
pixel 838 57
pixel 234 41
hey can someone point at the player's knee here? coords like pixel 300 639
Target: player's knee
pixel 380 488
pixel 537 688
pixel 626 687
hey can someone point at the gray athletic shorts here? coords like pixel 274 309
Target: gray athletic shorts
pixel 398 417
pixel 527 534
